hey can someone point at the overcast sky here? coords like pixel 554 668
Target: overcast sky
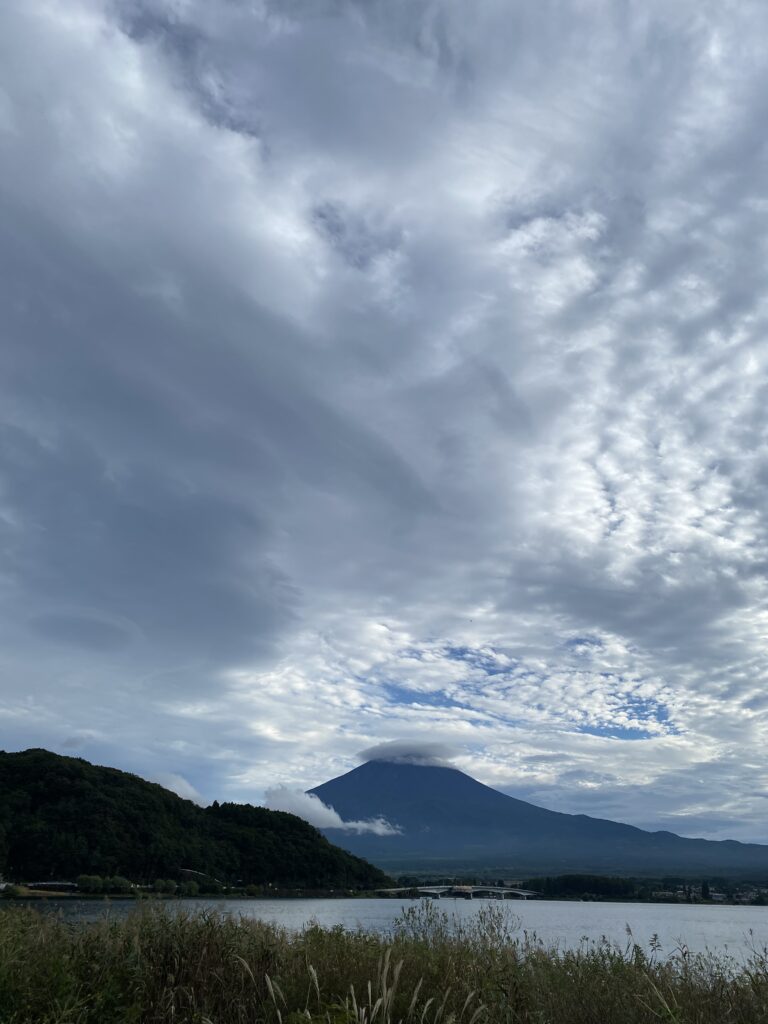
pixel 370 371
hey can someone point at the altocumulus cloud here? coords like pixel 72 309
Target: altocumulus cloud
pixel 371 372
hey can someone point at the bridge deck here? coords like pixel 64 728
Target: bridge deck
pixel 467 891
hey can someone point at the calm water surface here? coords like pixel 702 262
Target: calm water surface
pixel 567 924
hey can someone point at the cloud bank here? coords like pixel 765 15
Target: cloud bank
pixel 371 372
pixel 312 809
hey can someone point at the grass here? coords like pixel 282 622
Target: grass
pixel 205 968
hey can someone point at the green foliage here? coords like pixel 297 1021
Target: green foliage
pixel 117 884
pixel 209 887
pixel 90 883
pixel 583 885
pixel 156 967
pixel 61 817
pixel 189 889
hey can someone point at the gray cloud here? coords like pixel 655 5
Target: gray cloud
pixel 424 752
pixel 369 371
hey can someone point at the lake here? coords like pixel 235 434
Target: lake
pixel 566 924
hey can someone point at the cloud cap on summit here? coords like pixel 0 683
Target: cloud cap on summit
pixel 422 752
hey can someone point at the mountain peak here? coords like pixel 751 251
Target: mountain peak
pixel 447 818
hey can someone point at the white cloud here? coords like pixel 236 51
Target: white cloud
pixel 372 373
pixel 312 809
pixel 180 786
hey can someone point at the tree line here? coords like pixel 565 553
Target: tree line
pixel 61 817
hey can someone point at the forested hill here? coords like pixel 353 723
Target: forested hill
pixel 61 817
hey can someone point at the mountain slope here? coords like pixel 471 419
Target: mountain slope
pixel 448 818
pixel 61 816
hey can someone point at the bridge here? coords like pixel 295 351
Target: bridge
pixel 463 892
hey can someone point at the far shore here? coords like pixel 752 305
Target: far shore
pixel 36 896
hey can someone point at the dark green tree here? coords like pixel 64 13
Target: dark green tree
pixel 90 883
pixel 63 817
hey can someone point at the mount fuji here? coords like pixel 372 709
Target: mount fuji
pixel 447 820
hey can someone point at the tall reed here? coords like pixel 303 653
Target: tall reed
pixel 159 966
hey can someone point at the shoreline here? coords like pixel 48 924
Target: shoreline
pixel 149 898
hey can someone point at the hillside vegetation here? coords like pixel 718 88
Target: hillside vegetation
pixel 61 817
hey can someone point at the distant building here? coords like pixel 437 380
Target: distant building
pixel 745 896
